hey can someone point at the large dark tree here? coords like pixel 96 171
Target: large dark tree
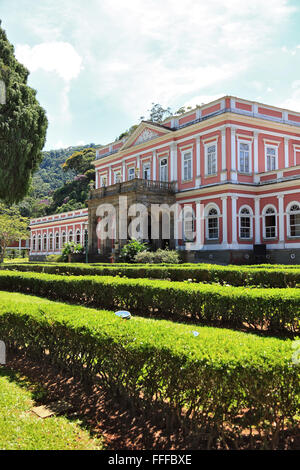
pixel 23 126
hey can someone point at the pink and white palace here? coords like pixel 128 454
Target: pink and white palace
pixel 238 159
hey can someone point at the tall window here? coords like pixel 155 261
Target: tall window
pixel 211 160
pixel 34 243
pixel 163 170
pixel 270 223
pixel 78 237
pixel 51 242
pixel 70 236
pixel 188 224
pixel 294 220
pixel 187 166
pixel 244 158
pixel 131 173
pixel 40 243
pixel 212 224
pixel 57 241
pixel 117 177
pixel 245 223
pixel 63 239
pixel 146 171
pixel 271 157
pixel 45 243
pixel 103 181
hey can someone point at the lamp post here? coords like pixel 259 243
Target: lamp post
pixel 86 242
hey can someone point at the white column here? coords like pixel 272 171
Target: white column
pixel 199 224
pixel 123 171
pixel 286 152
pixel 234 219
pixel 257 221
pixel 154 165
pixel 198 161
pixel 224 218
pixel 223 132
pixel 138 166
pixel 173 162
pixel 281 217
pixel 255 148
pixel 233 155
pixel 109 176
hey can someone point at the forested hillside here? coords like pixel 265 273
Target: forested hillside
pixel 47 180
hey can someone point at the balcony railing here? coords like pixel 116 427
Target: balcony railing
pixel 139 185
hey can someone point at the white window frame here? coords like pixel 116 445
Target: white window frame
pixel 206 147
pixel 116 174
pixel 70 234
pixel 166 169
pixel 103 177
pixel 269 206
pixel 39 247
pixel 63 238
pixel 275 147
pixel 289 213
pixel 148 166
pixel 251 222
pixel 76 237
pixel 247 142
pixel 184 153
pixel 51 245
pixel 34 243
pixel 45 238
pixel 208 208
pixel 57 237
pixel 133 174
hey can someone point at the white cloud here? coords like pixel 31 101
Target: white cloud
pixel 58 57
pixel 293 102
pixel 168 51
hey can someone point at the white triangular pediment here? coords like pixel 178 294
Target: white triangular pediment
pixel 144 133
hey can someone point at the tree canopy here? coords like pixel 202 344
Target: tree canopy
pixel 12 227
pixel 23 126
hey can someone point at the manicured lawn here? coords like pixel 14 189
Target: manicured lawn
pixel 20 429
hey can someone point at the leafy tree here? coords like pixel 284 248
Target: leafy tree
pixel 23 126
pixel 12 227
pixel 158 113
pixel 69 249
pixel 80 162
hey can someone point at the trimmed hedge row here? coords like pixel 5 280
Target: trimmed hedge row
pixel 267 277
pixel 212 377
pixel 272 309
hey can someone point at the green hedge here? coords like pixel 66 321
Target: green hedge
pixel 235 276
pixel 212 377
pixel 272 309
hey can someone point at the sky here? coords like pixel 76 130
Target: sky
pixel 98 65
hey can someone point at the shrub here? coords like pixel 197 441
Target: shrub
pixel 54 258
pixel 211 378
pixel 157 257
pixel 232 275
pixel 129 251
pixel 276 310
pixel 71 248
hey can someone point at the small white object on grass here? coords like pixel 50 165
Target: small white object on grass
pixel 123 314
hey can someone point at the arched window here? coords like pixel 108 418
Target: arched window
pixel 34 243
pixel 78 237
pixel 57 241
pixel 212 224
pixel 294 220
pixel 45 242
pixel 245 223
pixel 63 239
pixel 40 243
pixel 51 242
pixel 70 236
pixel 270 222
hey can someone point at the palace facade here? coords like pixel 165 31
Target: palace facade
pixel 235 160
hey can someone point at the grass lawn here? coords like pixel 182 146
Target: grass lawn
pixel 20 429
